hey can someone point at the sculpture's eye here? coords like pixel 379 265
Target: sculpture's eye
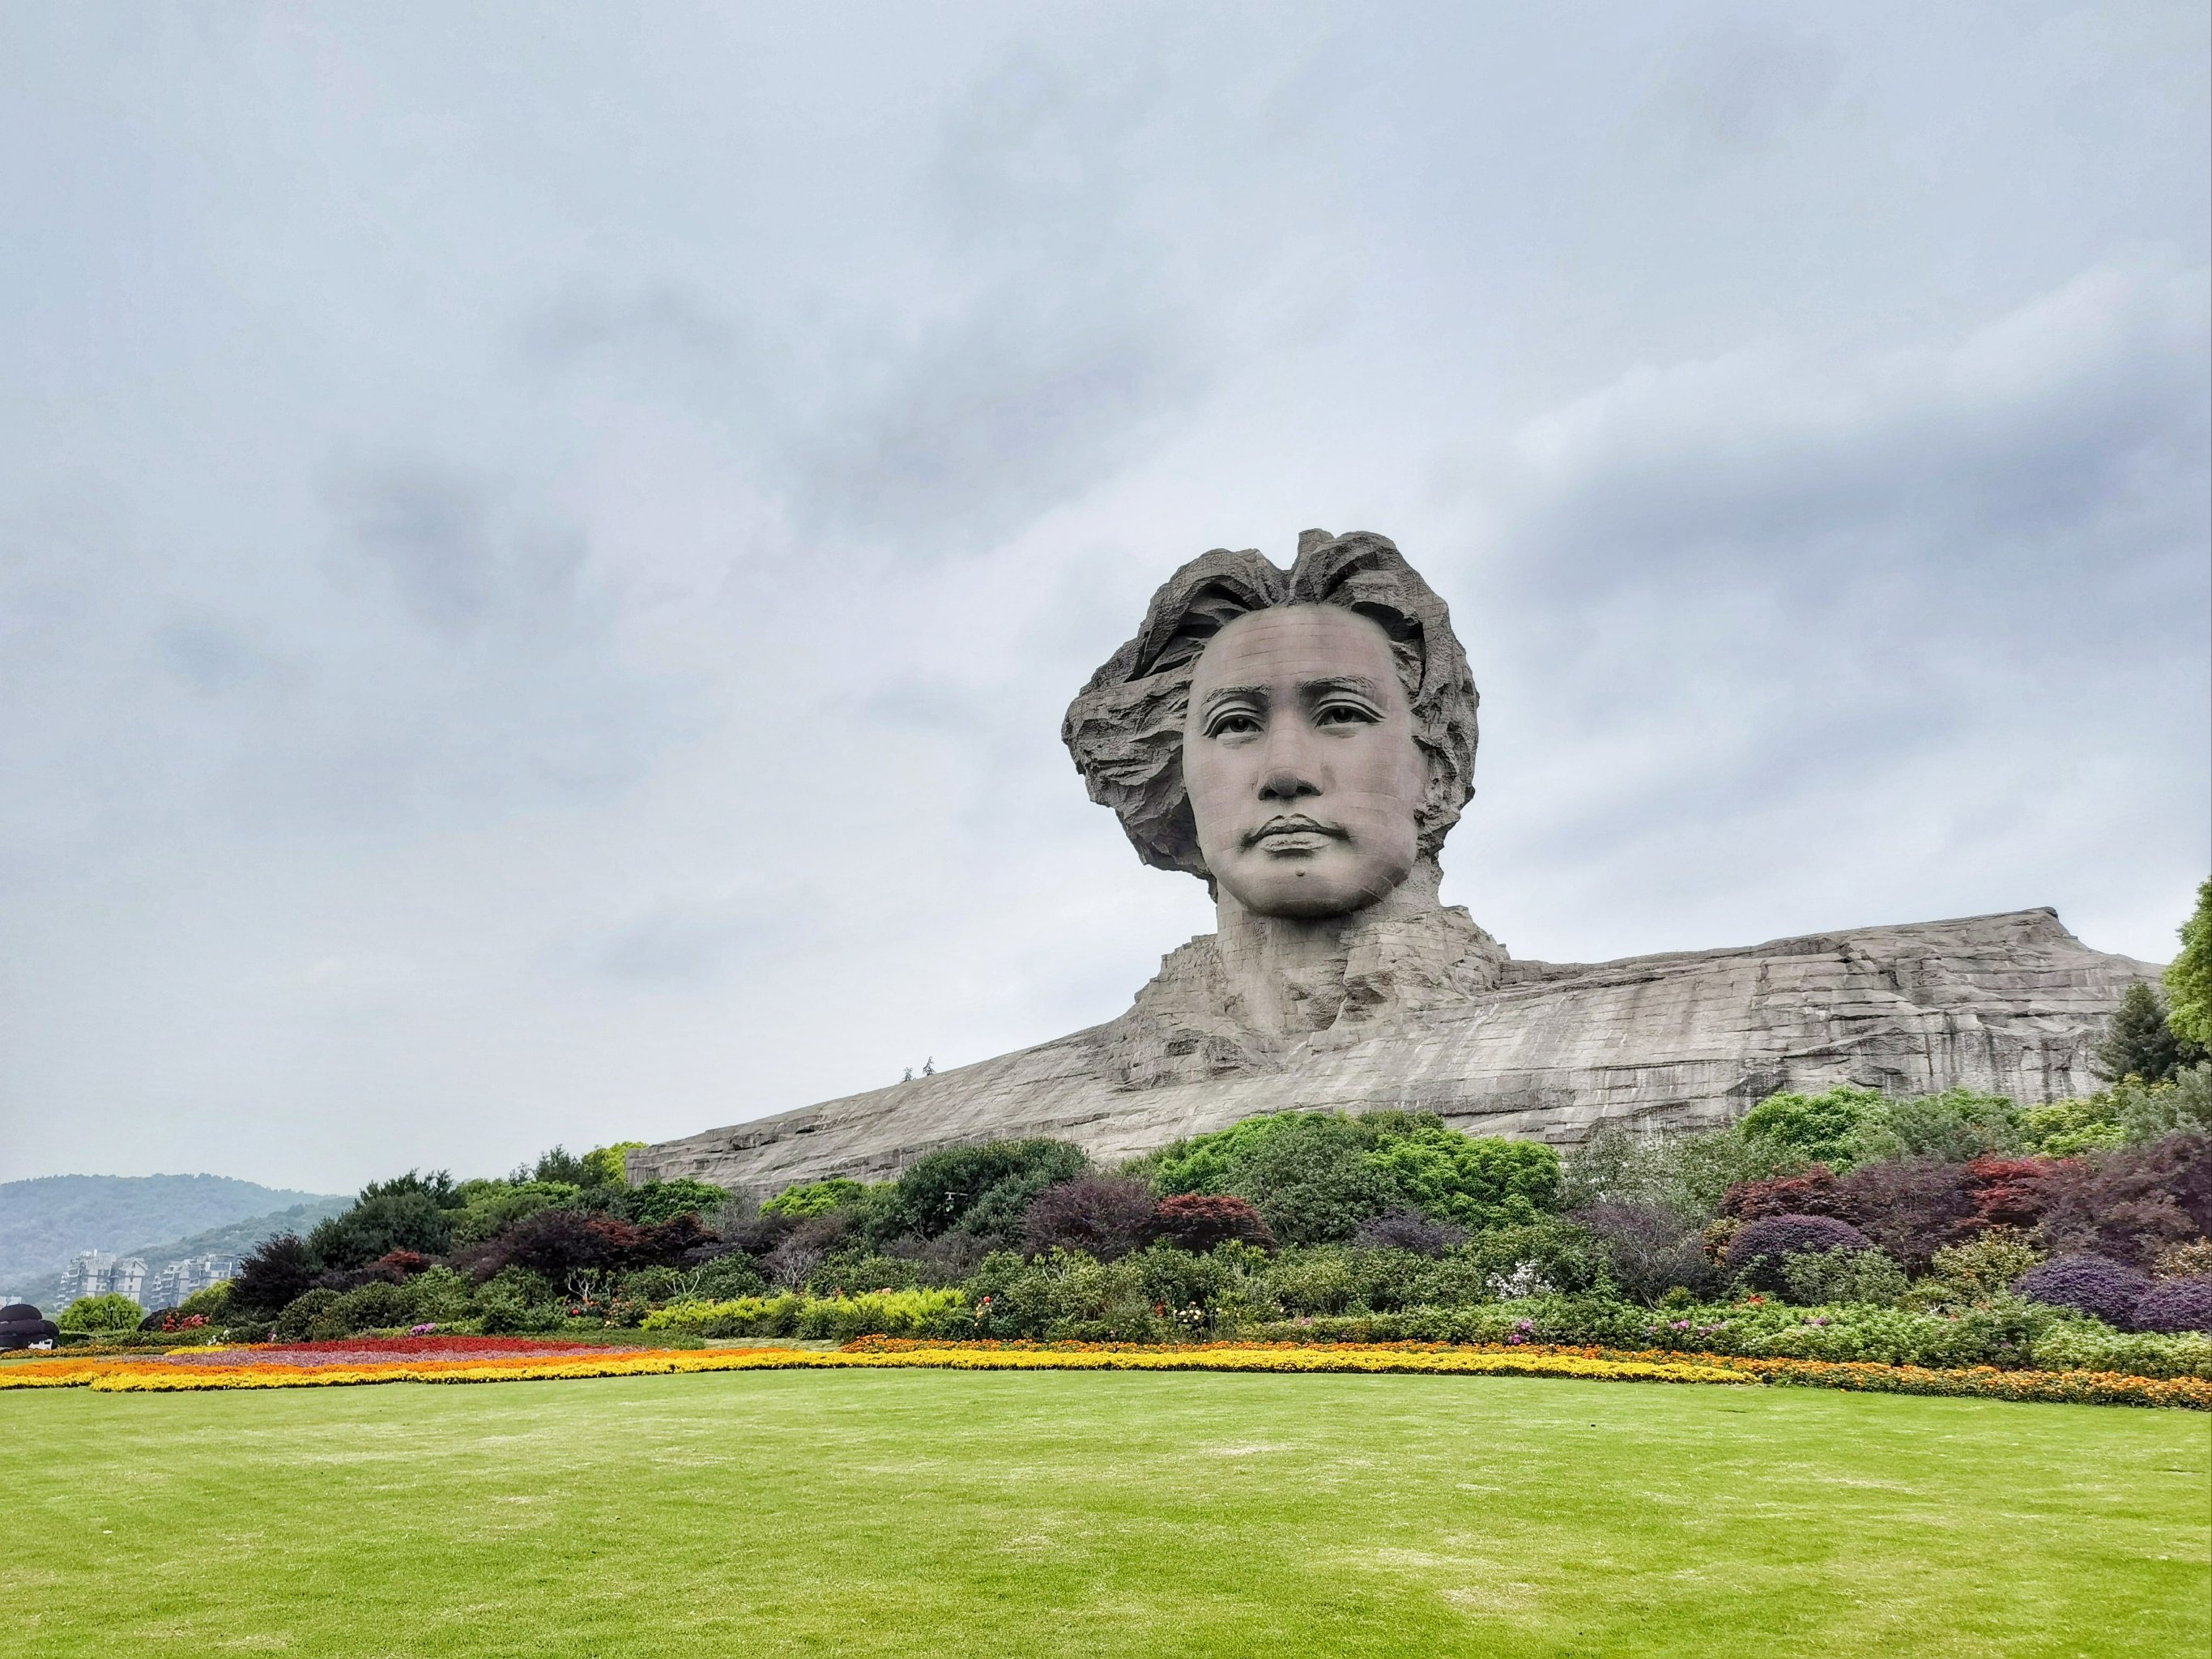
pixel 1234 723
pixel 1344 713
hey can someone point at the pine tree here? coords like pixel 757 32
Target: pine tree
pixel 2139 1042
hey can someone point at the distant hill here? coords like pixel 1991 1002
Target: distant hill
pixel 237 1238
pixel 232 1238
pixel 44 1222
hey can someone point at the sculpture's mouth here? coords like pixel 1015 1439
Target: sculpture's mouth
pixel 1294 826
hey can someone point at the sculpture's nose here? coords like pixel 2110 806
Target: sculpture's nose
pixel 1291 774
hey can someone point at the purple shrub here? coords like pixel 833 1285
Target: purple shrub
pixel 1105 1216
pixel 2093 1285
pixel 1755 1253
pixel 2177 1304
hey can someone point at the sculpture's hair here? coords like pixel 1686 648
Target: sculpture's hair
pixel 1124 729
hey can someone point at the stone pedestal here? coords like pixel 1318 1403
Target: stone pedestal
pixel 1434 1016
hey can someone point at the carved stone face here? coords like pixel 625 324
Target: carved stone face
pixel 1299 759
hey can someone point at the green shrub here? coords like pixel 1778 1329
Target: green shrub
pixel 300 1316
pixel 374 1306
pixel 603 1166
pixel 727 1277
pixel 212 1303
pixel 2067 1128
pixel 657 1201
pixel 442 1297
pixel 2088 1346
pixel 1206 1163
pixel 1687 1175
pixel 859 1270
pixel 502 1317
pixel 1308 1174
pixel 1984 1267
pixel 1316 1177
pixel 110 1312
pixel 878 1313
pixel 2148 1112
pixel 390 1216
pixel 1066 1296
pixel 1823 1128
pixel 2188 977
pixel 1955 1126
pixel 813 1198
pixel 489 1208
pixel 2004 1333
pixel 1816 1277
pixel 516 1301
pixel 983 1191
pixel 1552 1253
pixel 1475 1183
pixel 745 1315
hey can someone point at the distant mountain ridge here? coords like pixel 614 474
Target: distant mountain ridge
pixel 45 1221
pixel 237 1238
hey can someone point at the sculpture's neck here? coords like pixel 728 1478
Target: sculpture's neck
pixel 1288 971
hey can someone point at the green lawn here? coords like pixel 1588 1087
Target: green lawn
pixel 1089 1513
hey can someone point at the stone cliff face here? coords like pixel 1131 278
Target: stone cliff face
pixel 1439 1020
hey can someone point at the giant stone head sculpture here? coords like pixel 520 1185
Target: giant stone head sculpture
pixel 1301 740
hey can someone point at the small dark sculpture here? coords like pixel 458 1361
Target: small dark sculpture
pixel 22 1326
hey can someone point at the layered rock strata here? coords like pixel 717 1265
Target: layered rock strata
pixel 1436 1017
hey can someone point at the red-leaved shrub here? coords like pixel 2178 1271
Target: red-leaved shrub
pixel 2012 1191
pixel 1912 1208
pixel 1812 1191
pixel 2134 1204
pixel 1199 1221
pixel 559 1242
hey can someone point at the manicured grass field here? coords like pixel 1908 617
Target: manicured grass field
pixel 1087 1513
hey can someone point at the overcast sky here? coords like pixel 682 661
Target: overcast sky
pixel 543 549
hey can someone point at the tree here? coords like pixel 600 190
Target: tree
pixel 110 1312
pixel 2140 1040
pixel 1827 1128
pixel 560 1165
pixel 2189 976
pixel 605 1166
pixel 812 1198
pixel 664 1200
pixel 273 1276
pixel 1311 1180
pixel 984 1190
pixel 393 1215
pixel 1477 1183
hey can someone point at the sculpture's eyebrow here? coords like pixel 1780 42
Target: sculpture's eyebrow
pixel 1223 693
pixel 1358 682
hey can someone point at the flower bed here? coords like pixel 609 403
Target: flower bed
pixel 491 1360
pixel 1977 1381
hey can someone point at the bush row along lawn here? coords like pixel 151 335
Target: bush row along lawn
pixel 856 1512
pixel 200 1369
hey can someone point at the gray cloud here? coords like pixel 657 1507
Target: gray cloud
pixel 536 607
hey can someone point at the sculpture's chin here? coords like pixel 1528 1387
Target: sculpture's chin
pixel 1311 894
